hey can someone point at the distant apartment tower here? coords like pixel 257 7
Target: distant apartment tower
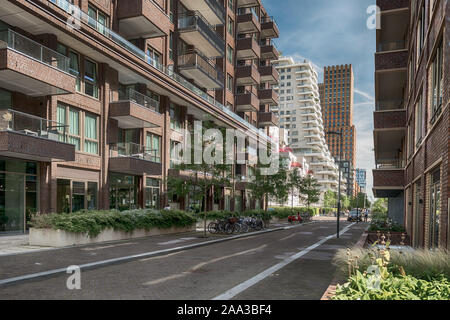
pixel 300 114
pixel 361 178
pixel 411 119
pixel 337 108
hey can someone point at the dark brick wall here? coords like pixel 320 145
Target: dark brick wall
pixel 388 178
pixel 390 119
pixel 392 4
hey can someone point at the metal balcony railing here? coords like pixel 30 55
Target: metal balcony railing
pixel 83 17
pixel 34 50
pixel 139 98
pixel 23 123
pixel 194 59
pixel 134 150
pixel 195 21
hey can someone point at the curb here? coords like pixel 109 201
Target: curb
pixel 98 264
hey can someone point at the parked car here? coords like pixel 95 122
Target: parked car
pixel 354 216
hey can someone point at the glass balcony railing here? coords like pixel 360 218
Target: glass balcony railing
pixel 195 21
pixel 134 150
pixel 391 164
pixel 77 13
pixel 218 8
pixel 384 105
pixel 391 45
pixel 139 98
pixel 19 122
pixel 32 49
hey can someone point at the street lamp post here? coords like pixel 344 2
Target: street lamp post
pixel 339 184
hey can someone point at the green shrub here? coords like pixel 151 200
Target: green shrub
pixel 94 222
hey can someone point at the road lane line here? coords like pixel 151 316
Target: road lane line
pixel 259 277
pixel 201 265
pixel 103 263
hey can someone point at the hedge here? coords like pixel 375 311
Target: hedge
pixel 94 222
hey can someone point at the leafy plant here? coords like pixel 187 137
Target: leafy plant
pixel 94 222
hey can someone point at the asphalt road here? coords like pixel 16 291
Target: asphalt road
pixel 288 264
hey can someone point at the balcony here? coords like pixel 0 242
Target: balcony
pixel 268 74
pixel 390 119
pixel 269 52
pixel 194 66
pixel 269 28
pixel 142 19
pixel 388 180
pixel 247 75
pixel 268 96
pixel 196 31
pixel 248 22
pixel 29 137
pixel 212 10
pixel 247 102
pixel 134 159
pixel 247 3
pixel 135 111
pixel 32 69
pixel 267 119
pixel 247 48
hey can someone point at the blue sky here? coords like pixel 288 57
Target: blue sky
pixel 334 32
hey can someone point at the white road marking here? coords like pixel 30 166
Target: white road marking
pixel 109 246
pixel 266 273
pixel 201 265
pixel 181 240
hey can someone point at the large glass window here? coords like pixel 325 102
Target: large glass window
pixel 152 192
pixel 5 99
pixel 73 196
pixel 175 117
pixel 124 192
pixel 153 143
pixel 435 209
pixel 90 134
pixel 74 128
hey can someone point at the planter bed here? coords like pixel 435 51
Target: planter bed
pixel 395 237
pixel 61 238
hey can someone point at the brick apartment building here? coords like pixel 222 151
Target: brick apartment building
pixel 412 127
pixel 337 94
pixel 94 100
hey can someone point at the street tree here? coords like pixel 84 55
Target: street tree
pixel 309 191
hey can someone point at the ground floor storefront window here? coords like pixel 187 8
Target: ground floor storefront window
pixel 152 192
pixel 73 196
pixel 18 194
pixel 435 209
pixel 124 192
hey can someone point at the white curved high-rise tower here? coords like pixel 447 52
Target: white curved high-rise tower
pixel 300 114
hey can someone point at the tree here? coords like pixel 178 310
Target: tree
pixel 309 191
pixel 330 199
pixel 380 206
pixel 204 176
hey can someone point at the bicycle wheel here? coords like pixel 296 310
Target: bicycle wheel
pixel 213 228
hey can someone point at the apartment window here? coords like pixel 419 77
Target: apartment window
pixel 230 54
pixel 229 83
pixel 98 20
pixel 90 79
pixel 90 134
pixel 231 5
pixel 230 26
pixel 420 32
pixel 175 117
pixel 419 122
pixel 153 144
pixel 84 138
pixel 171 45
pixel 175 154
pixel 438 84
pixel 74 63
pixel 153 55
